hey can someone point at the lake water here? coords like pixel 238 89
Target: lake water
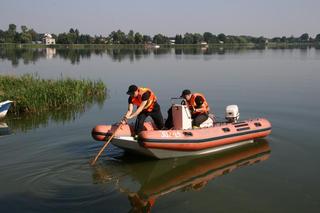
pixel 44 162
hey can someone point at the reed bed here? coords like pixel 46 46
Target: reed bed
pixel 31 94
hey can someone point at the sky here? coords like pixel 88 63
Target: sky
pixel 267 18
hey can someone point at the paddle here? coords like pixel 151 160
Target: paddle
pixel 106 144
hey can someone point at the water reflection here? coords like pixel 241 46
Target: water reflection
pixel 32 55
pixel 4 129
pixel 145 181
pixel 31 121
pixel 50 52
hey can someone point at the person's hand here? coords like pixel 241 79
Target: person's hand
pixel 129 117
pixel 124 120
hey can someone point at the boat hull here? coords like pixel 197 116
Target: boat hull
pixel 131 145
pixel 179 143
pixel 4 107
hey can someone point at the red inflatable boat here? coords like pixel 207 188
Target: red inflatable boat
pixel 183 140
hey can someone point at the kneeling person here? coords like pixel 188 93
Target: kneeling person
pixel 147 105
pixel 197 105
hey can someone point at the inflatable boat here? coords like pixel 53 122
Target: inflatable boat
pixel 183 139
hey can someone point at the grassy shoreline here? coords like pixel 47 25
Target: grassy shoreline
pixel 31 94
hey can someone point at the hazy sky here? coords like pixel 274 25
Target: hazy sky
pixel 238 17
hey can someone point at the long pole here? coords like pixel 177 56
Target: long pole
pixel 105 145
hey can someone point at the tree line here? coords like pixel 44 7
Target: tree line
pixel 73 36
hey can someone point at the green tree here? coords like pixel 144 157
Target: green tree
pixel 210 38
pixel 25 38
pixel 188 38
pixel 12 28
pixel 231 39
pixel 261 40
pixel 24 28
pixel 292 39
pixel 99 40
pixel 304 37
pixel 34 35
pixel 72 36
pixel 62 38
pixel 130 37
pixel 160 39
pixel 197 38
pixel 138 38
pixel 118 37
pixel 84 39
pixel 222 37
pixel 276 39
pixel 242 39
pixel 178 39
pixel 2 36
pixel 10 34
pixel 77 33
pixel 283 39
pixel 317 38
pixel 146 38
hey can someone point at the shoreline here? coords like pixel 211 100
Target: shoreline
pixel 142 46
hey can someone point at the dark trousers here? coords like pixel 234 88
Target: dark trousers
pixel 197 119
pixel 156 116
pixel 169 121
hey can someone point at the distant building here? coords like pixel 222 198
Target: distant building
pixel 48 40
pixel 172 41
pixel 204 45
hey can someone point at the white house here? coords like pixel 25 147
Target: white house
pixel 48 40
pixel 172 41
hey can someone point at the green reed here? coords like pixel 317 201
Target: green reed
pixel 31 94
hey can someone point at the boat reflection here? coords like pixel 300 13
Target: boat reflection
pixel 158 178
pixel 4 129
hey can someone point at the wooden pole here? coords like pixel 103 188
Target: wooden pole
pixel 105 145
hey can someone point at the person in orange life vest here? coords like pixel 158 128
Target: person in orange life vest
pixel 146 102
pixel 198 106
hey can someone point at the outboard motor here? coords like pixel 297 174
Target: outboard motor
pixel 232 113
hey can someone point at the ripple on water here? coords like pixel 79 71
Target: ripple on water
pixel 63 181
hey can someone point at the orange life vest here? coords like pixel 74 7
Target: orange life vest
pixel 192 104
pixel 138 100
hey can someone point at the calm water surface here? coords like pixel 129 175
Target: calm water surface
pixel 44 162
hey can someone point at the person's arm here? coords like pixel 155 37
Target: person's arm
pixel 137 112
pixel 129 112
pixel 200 108
pixel 130 109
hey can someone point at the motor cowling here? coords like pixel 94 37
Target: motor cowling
pixel 232 113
